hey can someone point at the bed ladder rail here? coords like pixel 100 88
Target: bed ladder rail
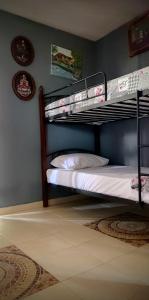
pixel 139 148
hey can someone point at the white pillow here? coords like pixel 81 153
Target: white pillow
pixel 76 161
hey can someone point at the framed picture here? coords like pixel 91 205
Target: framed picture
pixel 23 85
pixel 66 63
pixel 22 50
pixel 138 35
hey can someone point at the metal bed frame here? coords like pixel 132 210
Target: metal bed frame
pixel 134 105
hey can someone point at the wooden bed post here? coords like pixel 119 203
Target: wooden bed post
pixel 43 141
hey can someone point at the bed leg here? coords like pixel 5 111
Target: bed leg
pixel 45 196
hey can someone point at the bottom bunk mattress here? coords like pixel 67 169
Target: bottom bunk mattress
pixel 118 181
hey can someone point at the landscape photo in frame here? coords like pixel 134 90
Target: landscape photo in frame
pixel 66 63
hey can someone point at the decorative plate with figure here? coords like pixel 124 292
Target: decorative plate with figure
pixel 22 50
pixel 23 85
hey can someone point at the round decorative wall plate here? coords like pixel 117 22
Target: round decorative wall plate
pixel 23 85
pixel 22 50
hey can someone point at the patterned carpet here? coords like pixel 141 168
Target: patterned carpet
pixel 20 276
pixel 128 227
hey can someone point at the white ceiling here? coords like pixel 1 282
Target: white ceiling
pixel 91 19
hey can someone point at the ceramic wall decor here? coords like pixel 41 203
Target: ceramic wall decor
pixel 23 85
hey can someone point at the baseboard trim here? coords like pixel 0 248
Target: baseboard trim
pixel 38 205
pixel 20 208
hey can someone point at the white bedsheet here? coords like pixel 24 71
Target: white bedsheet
pixel 109 180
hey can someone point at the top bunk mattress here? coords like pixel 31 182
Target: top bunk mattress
pixel 110 180
pixel 116 88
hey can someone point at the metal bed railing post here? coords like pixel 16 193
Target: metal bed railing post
pixel 105 84
pixel 43 146
pixel 86 88
pixel 139 148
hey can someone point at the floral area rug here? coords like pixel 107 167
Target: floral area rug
pixel 128 227
pixel 20 276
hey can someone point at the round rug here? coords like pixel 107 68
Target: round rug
pixel 126 226
pixel 20 276
pixel 17 275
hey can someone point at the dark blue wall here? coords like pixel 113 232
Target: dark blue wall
pixel 118 142
pixel 112 55
pixel 118 139
pixel 20 169
pixel 70 137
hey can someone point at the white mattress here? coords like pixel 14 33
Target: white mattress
pixel 109 180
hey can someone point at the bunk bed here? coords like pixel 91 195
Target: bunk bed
pixel 122 98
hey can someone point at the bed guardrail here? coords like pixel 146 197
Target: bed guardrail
pixel 102 75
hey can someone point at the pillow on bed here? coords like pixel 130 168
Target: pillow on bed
pixel 79 161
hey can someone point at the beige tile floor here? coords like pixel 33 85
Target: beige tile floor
pixel 88 264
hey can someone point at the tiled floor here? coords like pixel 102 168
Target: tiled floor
pixel 88 264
